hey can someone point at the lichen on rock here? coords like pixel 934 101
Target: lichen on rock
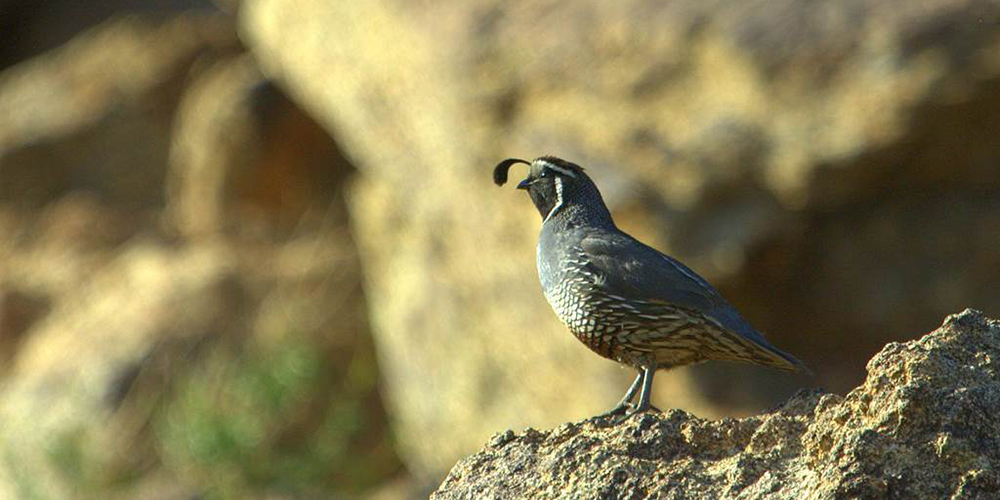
pixel 924 424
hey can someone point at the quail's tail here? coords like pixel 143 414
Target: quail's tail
pixel 782 360
pixel 758 349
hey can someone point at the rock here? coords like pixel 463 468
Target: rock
pixel 99 387
pixel 92 122
pixel 798 156
pixel 181 310
pixel 923 425
pixel 19 309
pixel 32 28
pixel 67 371
pixel 84 149
pixel 246 160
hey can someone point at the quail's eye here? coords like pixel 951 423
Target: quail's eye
pixel 544 173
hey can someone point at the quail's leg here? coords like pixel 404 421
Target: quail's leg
pixel 623 404
pixel 647 385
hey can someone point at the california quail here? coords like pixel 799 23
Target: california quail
pixel 623 299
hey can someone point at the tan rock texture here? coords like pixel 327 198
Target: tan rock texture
pixel 923 425
pixel 830 166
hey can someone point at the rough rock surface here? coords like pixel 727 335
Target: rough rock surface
pixel 925 424
pixel 796 154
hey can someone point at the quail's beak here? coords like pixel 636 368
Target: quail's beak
pixel 524 184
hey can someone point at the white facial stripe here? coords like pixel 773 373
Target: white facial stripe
pixel 557 168
pixel 559 201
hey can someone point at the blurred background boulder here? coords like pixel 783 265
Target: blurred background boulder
pixel 204 211
pixel 180 296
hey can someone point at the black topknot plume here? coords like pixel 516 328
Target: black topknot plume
pixel 500 171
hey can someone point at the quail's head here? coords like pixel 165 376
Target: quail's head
pixel 552 183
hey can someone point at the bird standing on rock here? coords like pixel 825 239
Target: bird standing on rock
pixel 623 299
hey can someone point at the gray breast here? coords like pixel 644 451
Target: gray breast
pixel 569 287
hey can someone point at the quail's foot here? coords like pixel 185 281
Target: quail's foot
pixel 622 409
pixel 632 411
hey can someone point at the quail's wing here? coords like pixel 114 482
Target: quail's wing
pixel 634 270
